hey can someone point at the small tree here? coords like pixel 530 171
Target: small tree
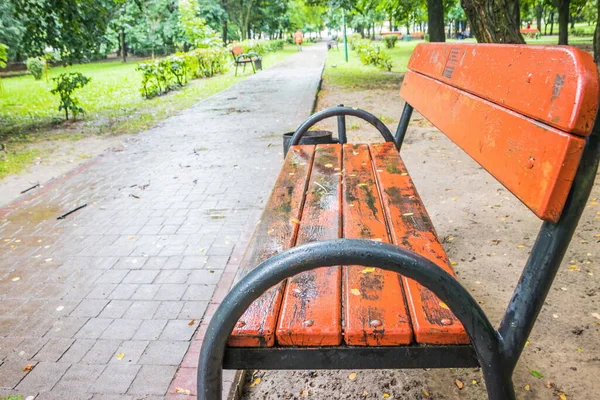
pixel 36 66
pixel 66 84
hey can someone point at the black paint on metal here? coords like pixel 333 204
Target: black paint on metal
pixel 339 111
pixel 486 341
pixel 546 256
pixel 345 357
pixel 71 212
pixel 30 188
pixel 311 137
pixel 342 127
pixel 403 125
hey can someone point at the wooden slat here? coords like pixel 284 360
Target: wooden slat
pixel 375 312
pixel 537 163
pixel 311 310
pixel 275 232
pixel 411 228
pixel 554 84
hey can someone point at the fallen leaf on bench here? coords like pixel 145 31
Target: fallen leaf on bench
pixel 328 165
pixel 361 184
pixel 368 270
pixel 408 214
pixel 183 391
pixel 459 383
pixel 255 382
pixel 536 374
pixel 352 376
pixel 294 221
pixel 444 305
pixel 355 292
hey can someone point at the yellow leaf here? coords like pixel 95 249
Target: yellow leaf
pixel 28 367
pixel 459 384
pixel 425 393
pixel 355 292
pixel 255 382
pixel 183 391
pixel 352 376
pixel 573 267
pixel 474 382
pixel 562 396
pixel 593 203
pixel 270 231
pixel 404 173
pixel 579 350
pixel 520 246
pixel 453 263
pixel 120 356
pixel 527 343
pixel 328 165
pixel 408 214
pixel 386 396
pixel 368 270
pixel 294 221
pixel 15 279
pixel 192 322
pixel 131 237
pixel 444 305
pixel 361 184
pixel 455 198
pixel 48 259
pixel 527 387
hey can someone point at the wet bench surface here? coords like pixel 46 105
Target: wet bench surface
pixel 355 191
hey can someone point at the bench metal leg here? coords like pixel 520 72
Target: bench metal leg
pixel 486 341
pixel 403 125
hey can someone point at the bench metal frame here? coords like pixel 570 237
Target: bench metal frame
pixel 496 351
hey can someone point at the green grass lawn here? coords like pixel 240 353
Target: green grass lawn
pixel 112 101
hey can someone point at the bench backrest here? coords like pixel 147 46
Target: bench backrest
pixel 520 111
pixel 237 50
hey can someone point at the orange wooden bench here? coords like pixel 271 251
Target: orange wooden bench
pixel 345 270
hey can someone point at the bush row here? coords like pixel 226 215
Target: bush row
pixel 163 75
pixel 370 53
pixel 261 47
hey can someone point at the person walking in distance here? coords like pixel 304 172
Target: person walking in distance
pixel 298 39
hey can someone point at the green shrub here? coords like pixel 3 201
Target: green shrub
pixel 274 45
pixel 66 84
pixel 3 55
pixel 371 54
pixel 353 40
pixel 578 32
pixel 36 67
pixel 390 41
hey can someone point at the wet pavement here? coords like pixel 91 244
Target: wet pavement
pixel 105 303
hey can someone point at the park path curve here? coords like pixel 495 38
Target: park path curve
pixel 104 303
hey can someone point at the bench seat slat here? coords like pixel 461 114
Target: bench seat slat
pixel 311 309
pixel 517 77
pixel 275 233
pixel 411 228
pixel 536 162
pixel 375 312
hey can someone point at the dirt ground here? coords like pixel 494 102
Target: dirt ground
pixel 489 233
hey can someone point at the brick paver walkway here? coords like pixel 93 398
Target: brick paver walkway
pixel 104 304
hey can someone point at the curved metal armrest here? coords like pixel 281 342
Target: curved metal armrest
pixel 486 341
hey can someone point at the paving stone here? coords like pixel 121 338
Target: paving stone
pixel 11 373
pixel 53 350
pixel 77 351
pixel 145 292
pixel 115 379
pixel 205 277
pixel 168 310
pixel 170 291
pixel 131 351
pixel 63 395
pixel 112 276
pixel 150 329
pixel 79 378
pixel 193 310
pixel 115 309
pixel 123 291
pixel 153 380
pixel 93 328
pixel 123 329
pixel 89 308
pixel 164 353
pixel 66 327
pixel 199 292
pixel 142 310
pixel 43 376
pixel 27 348
pixel 141 276
pixel 101 351
pixel 178 329
pixel 172 276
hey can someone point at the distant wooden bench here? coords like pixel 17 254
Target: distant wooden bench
pixel 385 295
pixel 530 32
pixel 241 58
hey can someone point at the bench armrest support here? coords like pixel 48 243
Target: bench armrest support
pixel 486 341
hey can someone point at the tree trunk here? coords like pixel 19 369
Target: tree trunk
pixel 597 36
pixel 551 22
pixel 435 21
pixel 123 46
pixel 494 21
pixel 538 16
pixel 224 31
pixel 407 28
pixel 563 22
